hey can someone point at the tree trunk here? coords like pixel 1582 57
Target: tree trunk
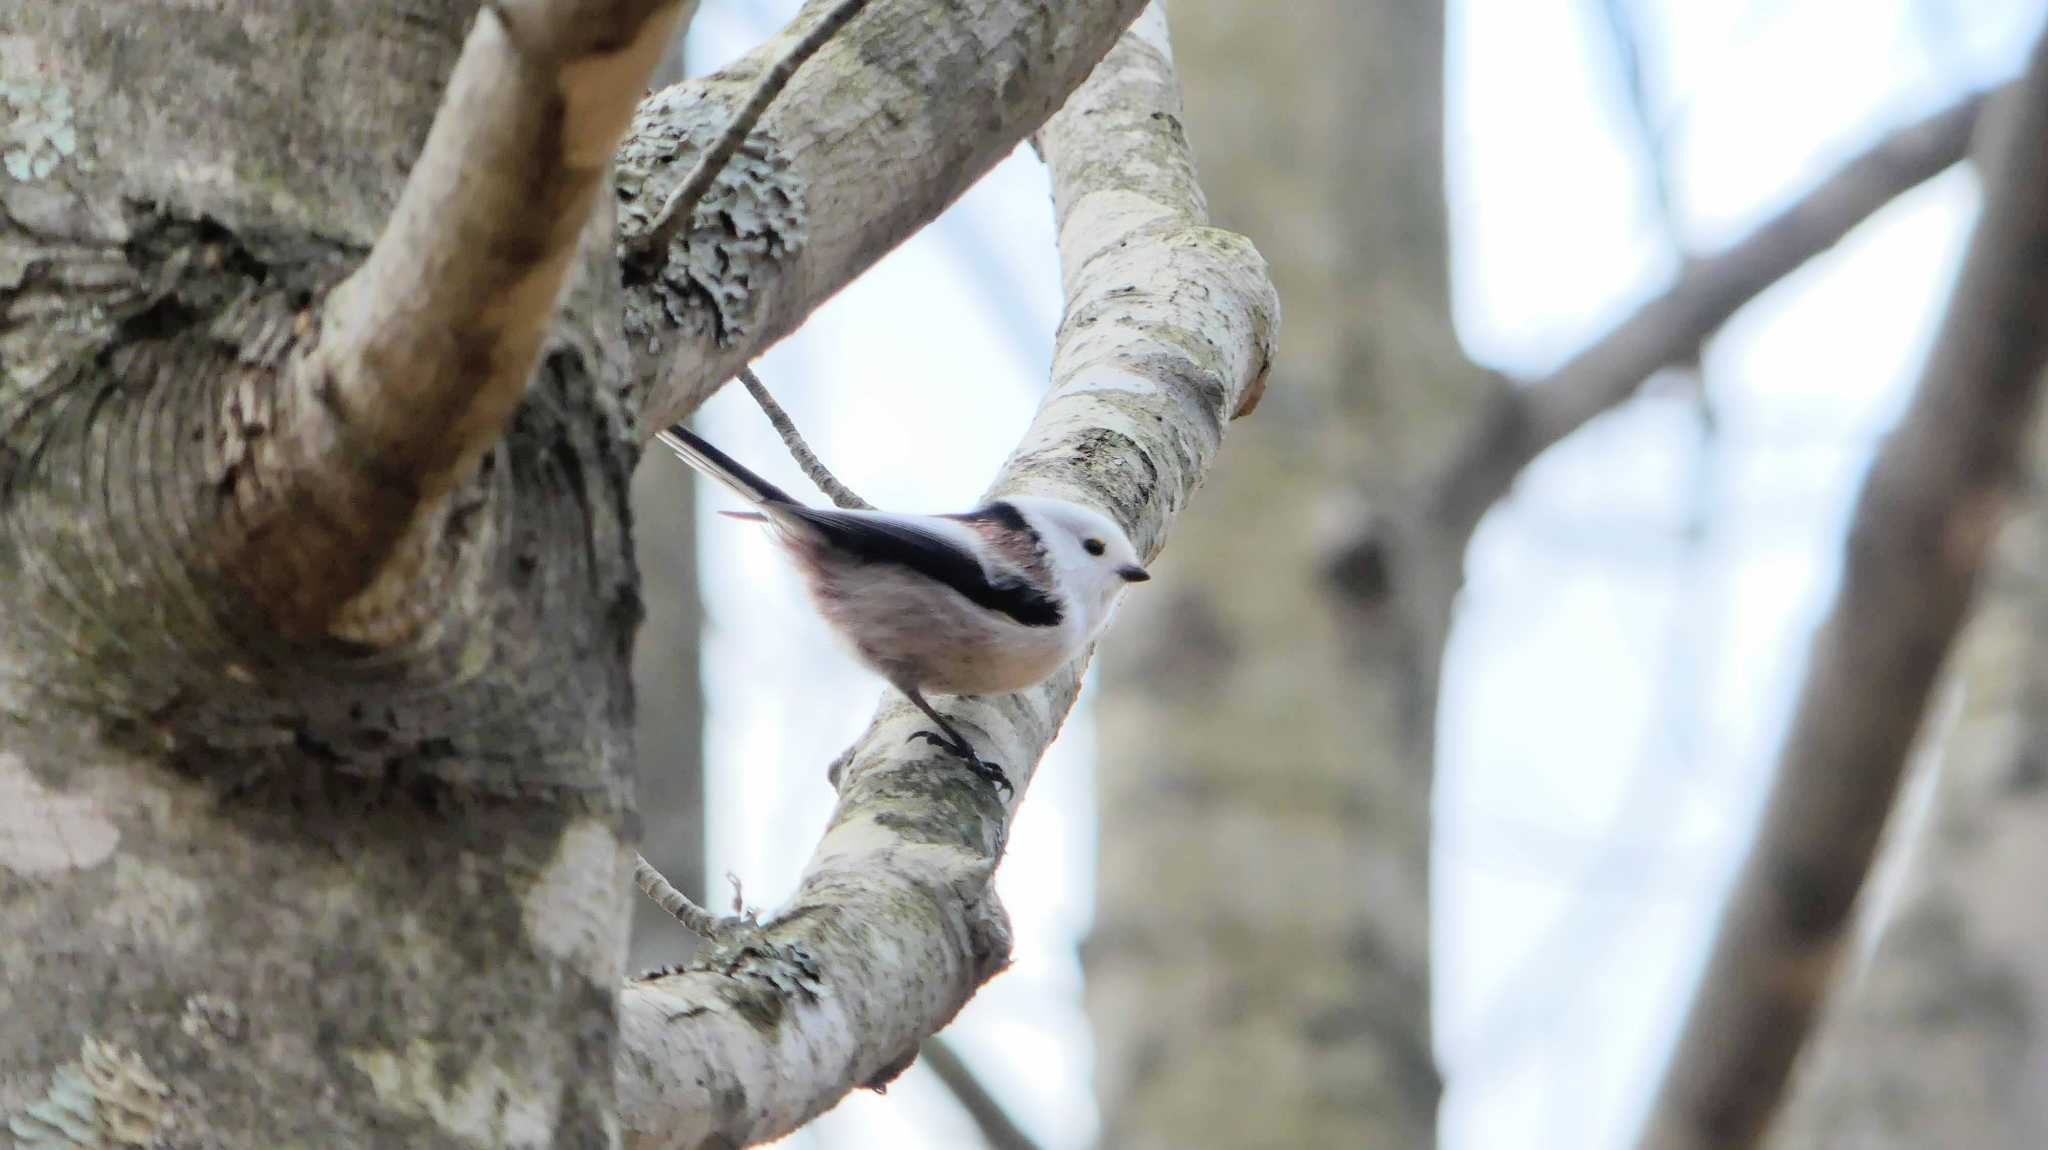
pixel 668 689
pixel 257 890
pixel 317 590
pixel 271 891
pixel 1258 974
pixel 668 697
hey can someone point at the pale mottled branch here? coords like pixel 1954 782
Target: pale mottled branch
pixel 414 364
pixel 1169 328
pixel 1530 418
pixel 891 121
pixel 1932 504
pixel 784 426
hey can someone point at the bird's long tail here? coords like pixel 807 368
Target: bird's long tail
pixel 722 467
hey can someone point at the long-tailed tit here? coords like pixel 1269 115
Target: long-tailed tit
pixel 991 600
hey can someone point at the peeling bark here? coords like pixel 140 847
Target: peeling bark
pixel 1169 328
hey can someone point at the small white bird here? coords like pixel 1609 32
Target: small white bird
pixel 991 600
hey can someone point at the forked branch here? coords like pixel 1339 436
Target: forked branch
pixel 414 364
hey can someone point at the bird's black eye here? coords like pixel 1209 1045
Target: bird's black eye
pixel 1092 546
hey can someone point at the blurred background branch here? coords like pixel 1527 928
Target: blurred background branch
pixel 1931 508
pixel 1669 329
pixel 990 1119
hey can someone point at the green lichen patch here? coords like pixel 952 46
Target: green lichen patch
pixel 713 278
pixel 763 978
pixel 107 1100
pixel 41 132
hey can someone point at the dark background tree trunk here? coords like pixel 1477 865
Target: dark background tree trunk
pixel 1935 1038
pixel 668 687
pixel 668 698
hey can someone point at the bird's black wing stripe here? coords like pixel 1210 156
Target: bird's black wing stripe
pixel 762 489
pixel 876 540
pixel 1002 514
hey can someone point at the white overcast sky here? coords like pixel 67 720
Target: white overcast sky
pixel 1635 616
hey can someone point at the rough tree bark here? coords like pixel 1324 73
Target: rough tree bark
pixel 316 579
pixel 1168 332
pixel 1935 497
pixel 1258 972
pixel 312 677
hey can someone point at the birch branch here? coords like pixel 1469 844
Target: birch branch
pixel 1928 513
pixel 892 120
pixel 1529 419
pixel 1169 329
pixel 416 362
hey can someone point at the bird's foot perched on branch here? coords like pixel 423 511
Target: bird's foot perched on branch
pixel 980 766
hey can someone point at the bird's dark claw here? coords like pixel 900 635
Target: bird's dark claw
pixel 992 773
pixel 980 766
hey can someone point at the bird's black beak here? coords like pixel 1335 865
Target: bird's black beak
pixel 1134 573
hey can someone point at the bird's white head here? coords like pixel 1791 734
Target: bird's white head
pixel 1091 556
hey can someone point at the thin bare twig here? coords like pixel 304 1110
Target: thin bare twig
pixel 682 203
pixel 701 922
pixel 1626 35
pixel 996 1127
pixel 805 458
pixel 1928 513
